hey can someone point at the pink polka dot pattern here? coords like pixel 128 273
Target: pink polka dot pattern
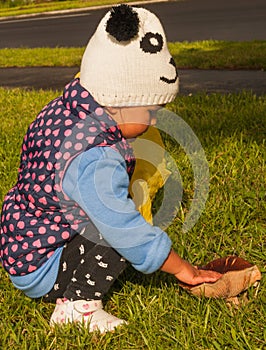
pixel 37 217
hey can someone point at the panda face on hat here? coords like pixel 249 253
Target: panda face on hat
pixel 127 62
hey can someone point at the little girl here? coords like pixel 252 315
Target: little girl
pixel 68 226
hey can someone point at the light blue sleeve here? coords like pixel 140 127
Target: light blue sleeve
pixel 98 181
pixel 41 281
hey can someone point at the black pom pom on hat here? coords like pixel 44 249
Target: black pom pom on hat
pixel 123 23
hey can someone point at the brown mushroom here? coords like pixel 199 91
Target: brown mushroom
pixel 237 276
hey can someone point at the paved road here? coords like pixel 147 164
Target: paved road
pixel 191 81
pixel 237 20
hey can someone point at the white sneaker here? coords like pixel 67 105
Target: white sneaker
pixel 89 313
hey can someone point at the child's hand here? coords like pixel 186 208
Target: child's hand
pixel 192 275
pixel 187 273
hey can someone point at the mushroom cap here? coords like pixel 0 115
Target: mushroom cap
pixel 237 276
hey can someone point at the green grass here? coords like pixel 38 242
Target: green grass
pixel 209 54
pixel 215 54
pixel 26 7
pixel 49 57
pixel 232 131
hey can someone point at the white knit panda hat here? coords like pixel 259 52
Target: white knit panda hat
pixel 127 62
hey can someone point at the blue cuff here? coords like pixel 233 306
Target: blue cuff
pixel 41 281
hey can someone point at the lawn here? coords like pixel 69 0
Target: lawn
pixel 27 7
pixel 232 132
pixel 209 54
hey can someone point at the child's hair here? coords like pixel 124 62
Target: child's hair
pixel 127 62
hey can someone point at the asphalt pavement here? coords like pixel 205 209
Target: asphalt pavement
pixel 183 20
pixel 191 80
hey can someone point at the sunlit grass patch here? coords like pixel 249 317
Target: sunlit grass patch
pixel 26 7
pixel 199 54
pixel 231 129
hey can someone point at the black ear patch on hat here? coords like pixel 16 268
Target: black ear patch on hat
pixel 123 23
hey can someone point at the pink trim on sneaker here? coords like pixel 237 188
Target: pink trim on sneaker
pixel 90 313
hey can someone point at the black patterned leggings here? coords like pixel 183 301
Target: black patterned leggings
pixel 87 270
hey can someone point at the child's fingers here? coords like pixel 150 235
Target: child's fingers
pixel 209 276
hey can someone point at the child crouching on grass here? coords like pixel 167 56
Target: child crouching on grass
pixel 68 226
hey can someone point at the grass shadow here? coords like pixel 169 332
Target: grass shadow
pixel 214 54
